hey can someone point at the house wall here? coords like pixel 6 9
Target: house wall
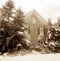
pixel 37 27
pixel 36 31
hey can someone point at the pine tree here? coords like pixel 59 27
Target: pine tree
pixel 7 10
pixel 19 23
pixel 13 31
pixel 6 15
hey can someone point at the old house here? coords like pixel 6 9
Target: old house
pixel 37 26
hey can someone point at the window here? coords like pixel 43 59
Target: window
pixel 29 30
pixel 38 31
pixel 44 31
pixel 41 31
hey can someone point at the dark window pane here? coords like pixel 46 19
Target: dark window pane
pixel 44 31
pixel 38 31
pixel 29 29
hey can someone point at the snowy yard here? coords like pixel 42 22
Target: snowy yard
pixel 32 57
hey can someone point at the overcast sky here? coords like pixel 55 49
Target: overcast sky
pixel 46 8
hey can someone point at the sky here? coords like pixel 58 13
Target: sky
pixel 46 8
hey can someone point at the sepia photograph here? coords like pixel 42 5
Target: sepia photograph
pixel 29 30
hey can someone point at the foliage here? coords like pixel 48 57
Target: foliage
pixel 54 39
pixel 11 28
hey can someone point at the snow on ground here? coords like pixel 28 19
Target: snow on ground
pixel 31 57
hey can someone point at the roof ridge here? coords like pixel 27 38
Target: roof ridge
pixel 37 14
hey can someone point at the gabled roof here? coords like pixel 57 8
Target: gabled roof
pixel 37 15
